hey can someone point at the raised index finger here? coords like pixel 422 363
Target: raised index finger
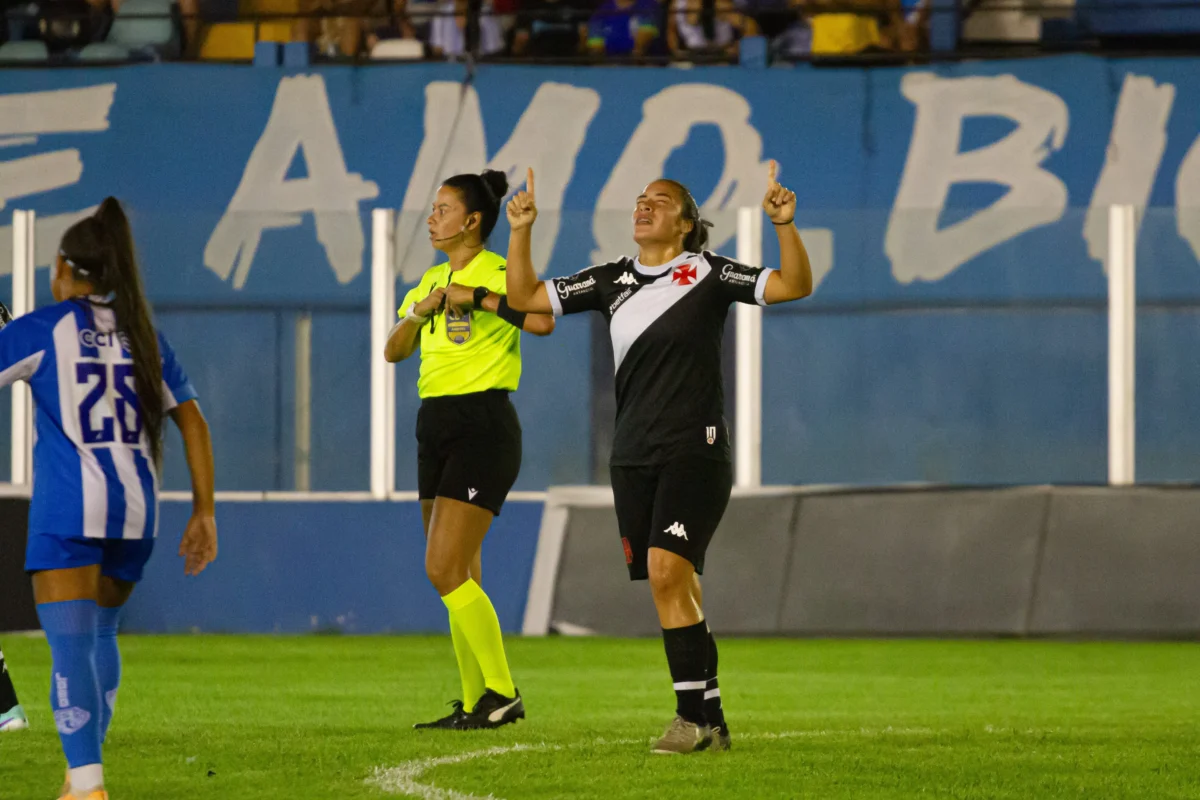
pixel 529 181
pixel 772 169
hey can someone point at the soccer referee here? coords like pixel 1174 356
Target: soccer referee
pixel 468 434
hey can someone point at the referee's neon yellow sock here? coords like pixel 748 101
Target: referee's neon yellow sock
pixel 472 611
pixel 468 666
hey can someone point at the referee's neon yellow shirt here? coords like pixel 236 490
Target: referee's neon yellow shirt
pixel 471 354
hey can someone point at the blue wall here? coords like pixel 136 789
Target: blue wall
pixel 307 567
pixel 992 371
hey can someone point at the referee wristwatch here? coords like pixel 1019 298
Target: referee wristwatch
pixel 481 293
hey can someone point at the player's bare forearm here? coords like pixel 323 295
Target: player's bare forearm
pixel 793 280
pixel 402 341
pixel 539 324
pixel 525 292
pixel 197 445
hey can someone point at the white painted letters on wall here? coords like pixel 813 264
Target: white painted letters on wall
pixel 667 119
pixel 23 118
pixel 1187 198
pixel 917 248
pixel 1135 149
pixel 547 137
pixel 300 121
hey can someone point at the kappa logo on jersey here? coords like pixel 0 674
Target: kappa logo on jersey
pixel 565 290
pixel 710 434
pixel 684 275
pixel 626 279
pixel 458 326
pixel 675 529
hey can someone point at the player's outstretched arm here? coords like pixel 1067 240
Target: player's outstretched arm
pixel 525 292
pixel 199 545
pixel 462 298
pixel 793 280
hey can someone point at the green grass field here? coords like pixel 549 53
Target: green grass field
pixel 319 717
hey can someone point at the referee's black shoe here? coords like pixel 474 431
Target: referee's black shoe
pixel 494 710
pixel 452 721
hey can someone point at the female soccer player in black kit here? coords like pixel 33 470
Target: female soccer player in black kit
pixel 671 464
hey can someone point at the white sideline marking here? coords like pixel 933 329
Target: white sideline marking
pixel 404 777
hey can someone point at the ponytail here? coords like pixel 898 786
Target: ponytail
pixel 100 250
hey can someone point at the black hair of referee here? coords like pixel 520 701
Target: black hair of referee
pixel 670 235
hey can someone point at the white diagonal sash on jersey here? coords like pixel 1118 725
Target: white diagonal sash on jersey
pixel 648 304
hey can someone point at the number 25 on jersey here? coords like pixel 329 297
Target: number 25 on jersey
pixel 95 378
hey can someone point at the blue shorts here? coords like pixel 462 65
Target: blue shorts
pixel 122 559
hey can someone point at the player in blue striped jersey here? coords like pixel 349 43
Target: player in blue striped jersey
pixel 103 381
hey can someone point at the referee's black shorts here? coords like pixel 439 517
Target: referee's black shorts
pixel 468 448
pixel 675 506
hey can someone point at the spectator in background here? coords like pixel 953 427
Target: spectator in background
pixel 550 29
pixel 395 24
pixel 850 27
pixel 67 25
pixel 625 27
pixel 337 28
pixel 707 27
pixel 913 34
pixel 794 39
pixel 448 32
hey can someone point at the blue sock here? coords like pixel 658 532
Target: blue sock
pixel 74 690
pixel 108 664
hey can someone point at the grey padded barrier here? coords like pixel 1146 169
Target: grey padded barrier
pixel 914 562
pixel 593 590
pixel 743 589
pixel 1121 561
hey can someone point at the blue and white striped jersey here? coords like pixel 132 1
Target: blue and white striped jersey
pixel 92 471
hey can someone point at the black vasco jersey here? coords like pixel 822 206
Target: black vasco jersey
pixel 666 324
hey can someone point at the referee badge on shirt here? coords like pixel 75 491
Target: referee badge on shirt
pixel 458 326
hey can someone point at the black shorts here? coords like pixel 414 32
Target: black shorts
pixel 468 448
pixel 675 506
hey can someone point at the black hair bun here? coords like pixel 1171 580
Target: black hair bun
pixel 496 182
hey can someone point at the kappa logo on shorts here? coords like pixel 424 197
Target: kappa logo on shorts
pixel 628 550
pixel 710 434
pixel 675 529
pixel 626 279
pixel 471 493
